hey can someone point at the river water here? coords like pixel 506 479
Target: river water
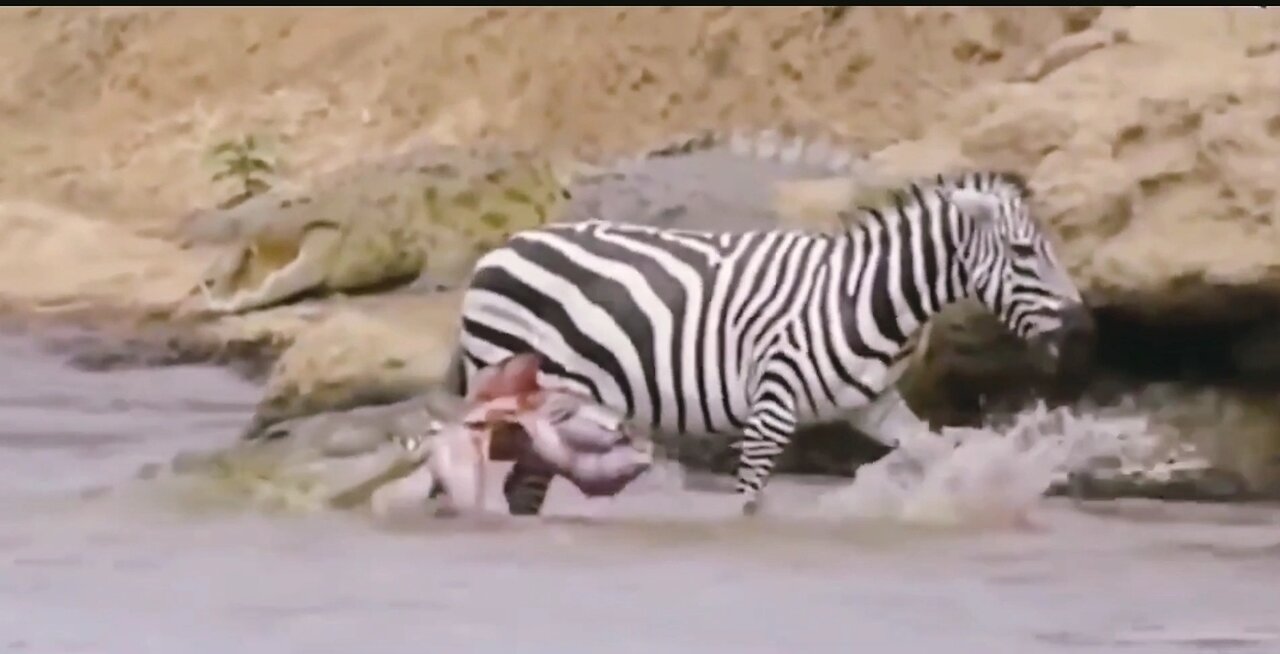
pixel 659 569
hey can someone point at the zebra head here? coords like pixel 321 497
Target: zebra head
pixel 1011 263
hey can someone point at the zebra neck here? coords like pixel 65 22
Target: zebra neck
pixel 904 265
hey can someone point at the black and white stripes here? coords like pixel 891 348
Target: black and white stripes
pixel 759 332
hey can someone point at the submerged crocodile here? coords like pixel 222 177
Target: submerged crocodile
pixel 429 213
pixel 435 444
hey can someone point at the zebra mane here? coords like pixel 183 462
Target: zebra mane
pixel 981 180
pixel 879 198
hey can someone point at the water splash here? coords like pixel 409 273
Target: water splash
pixel 993 475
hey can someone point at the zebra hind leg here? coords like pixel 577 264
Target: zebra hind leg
pixel 763 439
pixel 525 489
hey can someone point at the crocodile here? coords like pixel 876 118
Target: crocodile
pixel 434 444
pixel 426 214
pixel 432 209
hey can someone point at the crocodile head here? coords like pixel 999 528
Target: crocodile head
pixel 428 214
pixel 347 458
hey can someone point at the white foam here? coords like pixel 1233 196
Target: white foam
pixel 984 476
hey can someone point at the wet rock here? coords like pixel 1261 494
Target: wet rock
pixel 1208 444
pixel 359 357
pixel 828 449
pixel 1201 484
pixel 104 351
pixel 973 365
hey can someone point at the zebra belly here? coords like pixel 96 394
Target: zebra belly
pixel 642 321
pixel 597 358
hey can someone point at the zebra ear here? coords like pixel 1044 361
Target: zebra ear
pixel 975 204
pixel 514 375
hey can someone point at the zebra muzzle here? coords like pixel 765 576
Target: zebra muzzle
pixel 1070 346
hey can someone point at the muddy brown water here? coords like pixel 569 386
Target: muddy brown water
pixel 659 569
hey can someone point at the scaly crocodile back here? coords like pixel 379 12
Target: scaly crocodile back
pixel 808 155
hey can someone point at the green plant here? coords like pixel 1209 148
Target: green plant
pixel 242 160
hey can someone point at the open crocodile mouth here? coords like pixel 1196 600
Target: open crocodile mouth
pixel 252 266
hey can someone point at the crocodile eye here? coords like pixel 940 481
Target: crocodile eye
pixel 275 434
pixel 562 414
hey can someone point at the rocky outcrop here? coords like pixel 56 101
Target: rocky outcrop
pixel 55 260
pixel 1154 160
pixel 1154 156
pixel 371 353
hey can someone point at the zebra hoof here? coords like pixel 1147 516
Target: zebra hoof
pixel 751 507
pixel 521 510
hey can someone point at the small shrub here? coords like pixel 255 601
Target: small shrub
pixel 241 160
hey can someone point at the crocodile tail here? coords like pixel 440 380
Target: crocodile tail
pixel 824 154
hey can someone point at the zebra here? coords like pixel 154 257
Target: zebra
pixel 756 333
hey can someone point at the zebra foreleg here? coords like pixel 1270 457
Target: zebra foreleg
pixel 888 418
pixel 767 433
